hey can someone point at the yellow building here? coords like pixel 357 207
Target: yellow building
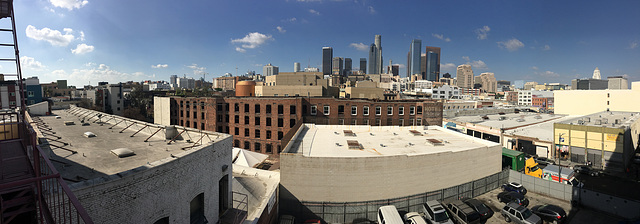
pixel 605 139
pixel 583 102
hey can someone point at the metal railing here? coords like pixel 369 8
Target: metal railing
pixel 54 201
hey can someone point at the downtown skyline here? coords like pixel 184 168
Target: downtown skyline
pixel 89 41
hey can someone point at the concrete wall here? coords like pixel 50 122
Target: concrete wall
pixel 572 102
pixel 41 108
pixel 365 92
pixel 542 186
pixel 161 188
pixel 162 110
pixel 345 179
pixel 298 90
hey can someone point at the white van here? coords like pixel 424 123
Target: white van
pixel 389 215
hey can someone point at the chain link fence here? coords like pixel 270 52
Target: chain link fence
pixel 366 211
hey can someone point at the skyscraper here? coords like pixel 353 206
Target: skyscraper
pixel 464 76
pixel 327 56
pixel 363 65
pixel 269 69
pixel 347 66
pixel 414 57
pixel 375 56
pixel 337 66
pixel 437 64
pixel 296 66
pixel 488 82
pixel 173 79
pixel 432 73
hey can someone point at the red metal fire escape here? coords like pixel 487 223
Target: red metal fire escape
pixel 31 189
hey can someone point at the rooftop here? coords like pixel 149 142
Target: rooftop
pixel 540 131
pixel 506 121
pixel 93 157
pixel 367 141
pixel 610 119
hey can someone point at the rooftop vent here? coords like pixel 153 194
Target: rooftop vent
pixel 501 113
pixel 435 142
pixel 415 133
pixel 353 144
pixel 502 118
pixel 580 122
pixel 122 152
pixel 616 121
pixel 89 134
pixel 520 120
pixel 538 117
pixel 349 133
pixel 598 122
pixel 485 117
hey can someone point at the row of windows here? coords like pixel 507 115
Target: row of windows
pixel 257 109
pixel 256 146
pixel 257 132
pixel 326 110
pixel 375 122
pixel 195 114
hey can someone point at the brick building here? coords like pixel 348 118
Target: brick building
pixel 542 102
pixel 266 124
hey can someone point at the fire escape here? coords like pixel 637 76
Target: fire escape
pixel 31 189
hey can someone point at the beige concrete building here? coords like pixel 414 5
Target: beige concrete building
pixel 530 85
pixel 488 82
pixel 618 82
pixel 583 102
pixel 329 163
pixel 464 76
pixel 299 90
pixel 295 78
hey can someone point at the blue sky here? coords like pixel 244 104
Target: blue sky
pixel 87 41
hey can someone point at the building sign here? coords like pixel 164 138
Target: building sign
pixel 612 137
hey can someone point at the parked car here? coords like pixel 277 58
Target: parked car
pixel 544 161
pixel 434 212
pixel 550 213
pixel 510 196
pixel 513 186
pixel 582 169
pixel 462 213
pixel 519 214
pixel 414 218
pixel 388 214
pixel 477 205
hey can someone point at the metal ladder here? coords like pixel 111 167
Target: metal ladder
pixel 6 11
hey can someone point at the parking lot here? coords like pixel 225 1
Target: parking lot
pixel 575 216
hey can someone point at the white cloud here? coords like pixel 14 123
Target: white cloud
pixel 534 68
pixel 69 4
pixel 314 12
pixel 93 75
pixel 82 49
pixel 479 64
pixel 196 69
pixel 372 10
pixel 54 37
pixel 359 46
pixel 548 74
pixel 511 45
pixel 483 32
pixel 441 37
pixel 82 35
pixel 30 63
pixel 281 29
pixel 400 66
pixel 633 45
pixel 160 66
pixel 447 66
pixel 251 40
pixel 466 58
pixel 546 48
pixel 241 50
pixel 291 20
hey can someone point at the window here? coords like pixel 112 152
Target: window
pixel 292 122
pixel 268 121
pixel 280 109
pixel 419 121
pixel 257 133
pixel 246 108
pixel 400 122
pixel 181 113
pixel 269 148
pixel 314 110
pixel 219 107
pixel 236 119
pixel 246 119
pixel 378 110
pixel 268 134
pixel 292 109
pixel 236 143
pixel 280 135
pixel 340 109
pixel 247 145
pixel 257 120
pixel 257 108
pixel 236 107
pixel 236 131
pixel 257 147
pixel 354 110
pixel 195 115
pixel 365 110
pixel 267 109
pixel 353 121
pixel 377 122
pixel 202 115
pixel 246 132
pixel 326 110
pixel 389 110
pixel 411 123
pixel 412 110
pixel 226 118
pixel 280 122
pixel 366 121
pixel 419 109
pixel 30 94
pixel 401 110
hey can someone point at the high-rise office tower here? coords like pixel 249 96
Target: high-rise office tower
pixel 337 66
pixel 487 81
pixel 464 76
pixel 414 57
pixel 409 64
pixel 347 66
pixel 363 65
pixel 375 56
pixel 327 56
pixel 432 73
pixel 424 61
pixel 172 79
pixel 269 69
pixel 296 66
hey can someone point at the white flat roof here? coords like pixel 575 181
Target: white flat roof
pixel 510 119
pixel 331 141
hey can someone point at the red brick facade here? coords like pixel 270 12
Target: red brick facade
pixel 261 123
